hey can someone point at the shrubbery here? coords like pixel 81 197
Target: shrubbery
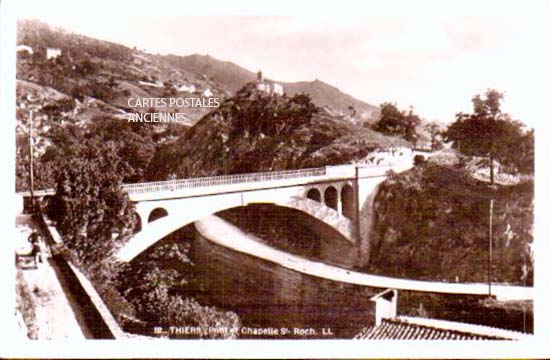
pixel 432 223
pixel 270 115
pixel 157 288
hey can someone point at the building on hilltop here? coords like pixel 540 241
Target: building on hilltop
pixel 277 89
pixel 269 87
pixel 52 53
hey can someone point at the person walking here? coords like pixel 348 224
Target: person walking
pixel 36 251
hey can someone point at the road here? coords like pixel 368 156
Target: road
pixel 225 234
pixel 54 314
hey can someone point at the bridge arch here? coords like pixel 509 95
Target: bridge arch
pixel 314 194
pixel 158 229
pixel 348 201
pixel 331 197
pixel 156 214
pixel 48 199
pixel 137 224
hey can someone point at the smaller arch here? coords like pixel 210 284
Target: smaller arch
pixel 48 199
pixel 137 224
pixel 348 203
pixel 314 194
pixel 331 197
pixel 46 202
pixel 156 214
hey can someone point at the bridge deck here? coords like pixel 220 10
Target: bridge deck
pixel 222 180
pixel 272 178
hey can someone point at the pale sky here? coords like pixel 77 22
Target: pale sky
pixel 434 60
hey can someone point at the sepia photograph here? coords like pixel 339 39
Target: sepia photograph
pixel 257 174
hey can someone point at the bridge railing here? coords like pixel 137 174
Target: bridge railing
pixel 221 180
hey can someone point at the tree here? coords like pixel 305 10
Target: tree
pixel 490 132
pixel 397 123
pixel 434 131
pixel 391 120
pixel 411 122
pixel 91 211
pixel 158 285
pixel 352 112
pixel 89 208
pixel 134 142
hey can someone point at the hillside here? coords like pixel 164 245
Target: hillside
pixel 76 84
pixel 110 72
pixel 324 94
pixel 432 223
pixel 225 72
pixel 87 69
pixel 234 77
pixel 253 132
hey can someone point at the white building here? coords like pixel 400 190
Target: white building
pixel 386 305
pixel 262 86
pixel 52 53
pixel 26 48
pixel 187 88
pixel 268 87
pixel 277 89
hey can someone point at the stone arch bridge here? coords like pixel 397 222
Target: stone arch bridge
pixel 333 196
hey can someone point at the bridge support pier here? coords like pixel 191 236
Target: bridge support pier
pixel 339 204
pixel 142 218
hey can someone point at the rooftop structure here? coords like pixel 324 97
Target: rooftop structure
pixel 268 87
pixel 389 326
pixel 402 330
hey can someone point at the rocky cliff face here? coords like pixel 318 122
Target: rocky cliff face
pixel 432 222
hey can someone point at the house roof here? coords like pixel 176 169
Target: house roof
pixel 387 294
pixel 403 330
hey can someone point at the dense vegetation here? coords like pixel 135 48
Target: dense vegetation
pixel 132 146
pixel 490 132
pixel 95 217
pixel 432 223
pixel 253 132
pixel 397 122
pixel 91 212
pixel 158 285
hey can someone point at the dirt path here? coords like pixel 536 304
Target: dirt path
pixel 48 313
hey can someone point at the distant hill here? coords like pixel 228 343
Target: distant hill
pixel 112 73
pixel 234 77
pixel 227 73
pixel 327 95
pixel 69 79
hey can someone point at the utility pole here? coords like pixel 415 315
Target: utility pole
pixel 490 244
pixel 357 215
pixel 491 168
pixel 31 152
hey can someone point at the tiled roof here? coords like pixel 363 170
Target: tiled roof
pixel 399 330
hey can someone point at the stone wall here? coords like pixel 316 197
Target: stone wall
pixel 267 294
